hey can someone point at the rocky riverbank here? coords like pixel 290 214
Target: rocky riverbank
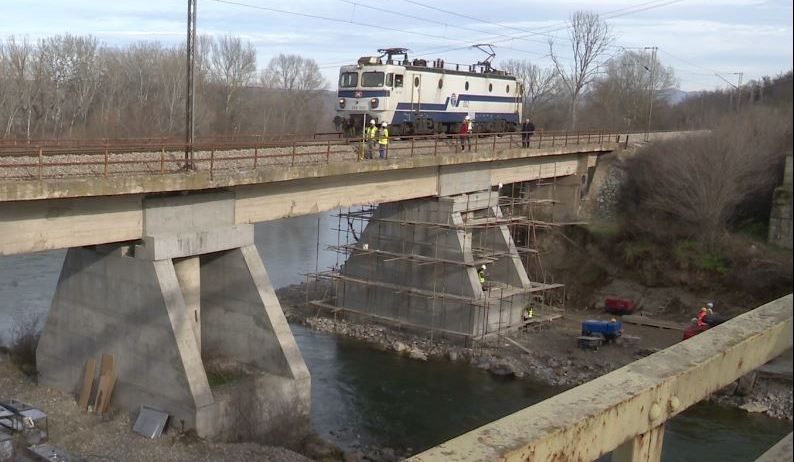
pixel 546 353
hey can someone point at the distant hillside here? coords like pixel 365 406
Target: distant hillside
pixel 675 96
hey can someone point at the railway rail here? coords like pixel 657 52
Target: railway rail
pixel 25 160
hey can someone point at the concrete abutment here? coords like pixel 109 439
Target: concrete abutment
pixel 191 319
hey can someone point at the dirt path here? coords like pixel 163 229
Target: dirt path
pixel 110 438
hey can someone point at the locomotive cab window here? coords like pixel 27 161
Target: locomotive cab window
pixel 372 79
pixel 348 79
pixel 416 81
pixel 398 80
pixel 467 86
pixel 440 83
pixel 507 89
pixel 490 87
pixel 389 79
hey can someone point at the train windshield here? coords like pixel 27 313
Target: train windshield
pixel 348 79
pixel 372 79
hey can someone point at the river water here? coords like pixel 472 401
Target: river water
pixel 365 397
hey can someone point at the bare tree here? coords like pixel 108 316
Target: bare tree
pixel 620 97
pixel 590 38
pixel 539 84
pixel 296 84
pixel 233 66
pixel 692 187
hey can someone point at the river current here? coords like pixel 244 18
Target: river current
pixel 365 397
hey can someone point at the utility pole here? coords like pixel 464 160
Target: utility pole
pixel 651 89
pixel 739 90
pixel 189 101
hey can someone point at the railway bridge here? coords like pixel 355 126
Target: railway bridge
pixel 162 272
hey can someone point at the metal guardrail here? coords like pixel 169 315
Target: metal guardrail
pixel 64 159
pixel 625 411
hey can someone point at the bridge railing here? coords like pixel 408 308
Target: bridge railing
pixel 624 412
pixel 82 158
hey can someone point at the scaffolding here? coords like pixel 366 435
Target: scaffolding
pixel 422 257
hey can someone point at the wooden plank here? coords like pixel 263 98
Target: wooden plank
pixel 520 346
pixel 106 364
pixel 106 384
pixel 646 321
pixel 107 380
pixel 88 383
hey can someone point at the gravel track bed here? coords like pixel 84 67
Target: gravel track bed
pixel 76 164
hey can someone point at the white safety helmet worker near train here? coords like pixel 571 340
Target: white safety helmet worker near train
pixel 383 141
pixel 371 135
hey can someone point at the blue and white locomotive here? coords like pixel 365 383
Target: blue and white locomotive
pixel 415 98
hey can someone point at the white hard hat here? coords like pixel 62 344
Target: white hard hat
pixel 467 118
pixel 372 121
pixel 710 304
pixel 483 266
pixel 383 124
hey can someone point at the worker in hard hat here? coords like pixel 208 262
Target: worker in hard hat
pixel 371 136
pixel 528 313
pixel 383 141
pixel 700 319
pixel 481 274
pixel 465 133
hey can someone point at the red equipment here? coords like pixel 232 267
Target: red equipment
pixel 619 306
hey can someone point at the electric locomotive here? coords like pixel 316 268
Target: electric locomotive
pixel 417 98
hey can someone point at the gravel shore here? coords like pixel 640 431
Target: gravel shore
pixel 553 357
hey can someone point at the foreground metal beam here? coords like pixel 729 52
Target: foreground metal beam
pixel 597 417
pixel 781 452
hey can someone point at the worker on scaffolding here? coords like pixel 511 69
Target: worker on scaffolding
pixel 481 274
pixel 529 312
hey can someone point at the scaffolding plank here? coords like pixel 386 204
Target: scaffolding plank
pixel 646 321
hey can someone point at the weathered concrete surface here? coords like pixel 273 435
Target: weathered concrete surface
pixel 202 180
pixel 162 312
pixel 416 263
pixel 35 225
pixel 108 302
pixel 783 451
pixel 595 418
pixel 780 220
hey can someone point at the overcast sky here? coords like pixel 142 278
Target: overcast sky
pixel 698 38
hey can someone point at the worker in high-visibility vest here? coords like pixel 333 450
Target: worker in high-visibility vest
pixel 371 135
pixel 528 313
pixel 481 274
pixel 383 141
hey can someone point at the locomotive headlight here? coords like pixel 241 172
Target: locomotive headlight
pixel 373 103
pixel 341 103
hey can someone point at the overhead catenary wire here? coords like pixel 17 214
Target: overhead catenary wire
pixel 504 38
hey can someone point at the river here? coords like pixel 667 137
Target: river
pixel 362 396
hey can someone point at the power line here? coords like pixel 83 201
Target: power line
pixel 326 18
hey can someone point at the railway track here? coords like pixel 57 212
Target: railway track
pixel 55 159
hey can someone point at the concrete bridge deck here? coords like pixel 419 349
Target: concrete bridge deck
pixel 77 209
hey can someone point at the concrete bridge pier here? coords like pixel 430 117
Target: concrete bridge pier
pixel 191 320
pixel 416 263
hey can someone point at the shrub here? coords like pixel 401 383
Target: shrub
pixel 692 187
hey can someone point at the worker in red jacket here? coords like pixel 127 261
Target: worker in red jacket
pixel 465 133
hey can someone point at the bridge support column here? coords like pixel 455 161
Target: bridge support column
pixel 643 448
pixel 191 320
pixel 416 263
